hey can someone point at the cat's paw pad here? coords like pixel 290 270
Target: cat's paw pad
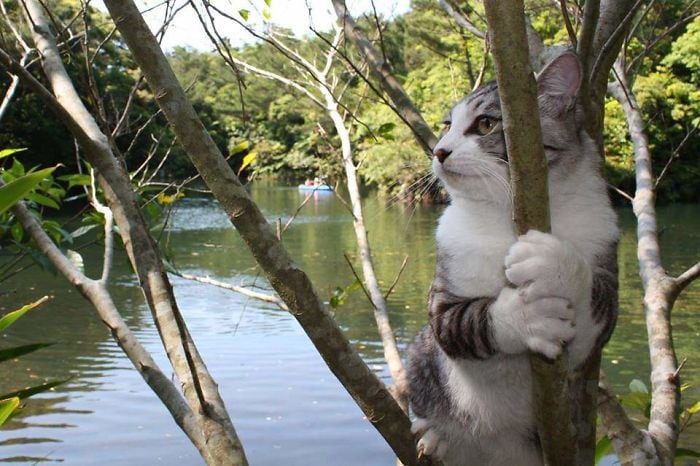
pixel 430 442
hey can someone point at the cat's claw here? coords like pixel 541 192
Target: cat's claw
pixel 430 442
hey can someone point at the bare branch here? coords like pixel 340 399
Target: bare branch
pixel 461 19
pixel 660 290
pixel 292 284
pixel 382 72
pixel 567 23
pixel 238 289
pixel 97 294
pixel 674 154
pixel 611 45
pixel 633 445
pixel 687 277
pixel 396 280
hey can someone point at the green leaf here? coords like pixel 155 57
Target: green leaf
pixel 17 351
pixel 637 386
pixel 17 232
pixel 268 3
pixel 267 15
pixel 695 408
pixel 386 130
pixel 7 407
pixel 27 392
pixel 244 14
pixel 7 152
pixel 247 160
pixel 637 400
pixel 9 319
pixel 680 452
pixel 16 189
pixel 602 448
pixel 356 285
pixel 77 179
pixel 43 200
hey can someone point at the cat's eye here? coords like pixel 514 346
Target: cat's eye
pixel 446 126
pixel 484 125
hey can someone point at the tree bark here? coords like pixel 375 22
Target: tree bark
pixel 223 446
pixel 290 282
pixel 660 290
pixel 528 175
pixel 96 292
pixel 601 20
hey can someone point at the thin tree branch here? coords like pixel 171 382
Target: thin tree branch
pixel 109 234
pixel 238 289
pixel 660 290
pixel 96 292
pixel 567 23
pixel 634 446
pixel 462 20
pixel 291 283
pixel 382 72
pixel 396 280
pixel 687 277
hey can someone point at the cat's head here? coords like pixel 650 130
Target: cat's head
pixel 470 157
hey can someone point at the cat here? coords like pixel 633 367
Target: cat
pixel 497 296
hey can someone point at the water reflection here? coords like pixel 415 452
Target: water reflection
pixel 287 407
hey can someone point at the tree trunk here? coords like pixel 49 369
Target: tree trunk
pixel 528 175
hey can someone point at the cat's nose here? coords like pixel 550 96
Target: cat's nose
pixel 442 154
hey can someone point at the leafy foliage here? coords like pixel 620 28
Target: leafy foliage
pixel 291 138
pixel 9 402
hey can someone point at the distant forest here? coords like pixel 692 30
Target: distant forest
pixel 287 136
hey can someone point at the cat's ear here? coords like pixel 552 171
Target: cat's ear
pixel 558 84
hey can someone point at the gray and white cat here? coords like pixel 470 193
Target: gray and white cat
pixel 496 295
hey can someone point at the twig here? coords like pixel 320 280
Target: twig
pixel 396 280
pixel 675 153
pixel 238 289
pixel 296 212
pixel 461 19
pixel 567 23
pixel 621 192
pixel 357 277
pixel 687 277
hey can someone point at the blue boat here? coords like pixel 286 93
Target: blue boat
pixel 315 187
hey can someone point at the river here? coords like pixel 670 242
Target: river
pixel 287 407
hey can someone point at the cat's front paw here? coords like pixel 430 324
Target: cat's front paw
pixel 544 325
pixel 430 442
pixel 543 266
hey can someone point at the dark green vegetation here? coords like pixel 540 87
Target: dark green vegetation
pixel 293 138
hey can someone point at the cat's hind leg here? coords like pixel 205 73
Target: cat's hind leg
pixel 430 441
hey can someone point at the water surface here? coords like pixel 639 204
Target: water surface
pixel 286 405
